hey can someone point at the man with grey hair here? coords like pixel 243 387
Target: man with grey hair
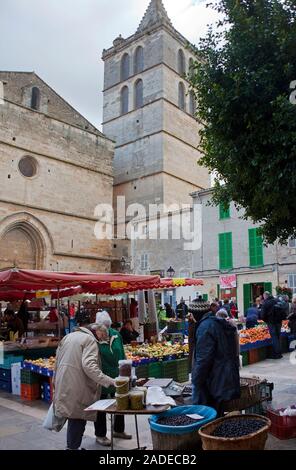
pixel 78 379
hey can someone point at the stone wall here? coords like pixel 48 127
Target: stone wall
pixel 56 207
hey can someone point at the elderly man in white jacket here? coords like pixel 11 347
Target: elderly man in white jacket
pixel 78 380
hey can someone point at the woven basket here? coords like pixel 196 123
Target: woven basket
pixel 254 441
pixel 250 395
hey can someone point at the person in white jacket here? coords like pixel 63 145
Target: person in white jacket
pixel 78 379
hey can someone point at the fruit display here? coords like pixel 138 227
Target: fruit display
pixel 238 427
pixel 146 353
pixel 252 335
pixel 285 327
pixel 181 420
pixel 44 363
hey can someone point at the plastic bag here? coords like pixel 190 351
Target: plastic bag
pixel 53 422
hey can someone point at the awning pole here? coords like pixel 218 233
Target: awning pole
pixel 59 324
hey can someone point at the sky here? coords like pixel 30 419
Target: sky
pixel 62 40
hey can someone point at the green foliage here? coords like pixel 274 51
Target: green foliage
pixel 242 82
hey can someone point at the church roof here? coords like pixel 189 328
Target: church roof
pixel 155 15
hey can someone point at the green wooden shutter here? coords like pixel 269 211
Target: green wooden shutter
pixel 225 251
pixel 224 212
pixel 255 248
pixel 205 297
pixel 218 291
pixel 268 287
pixel 247 297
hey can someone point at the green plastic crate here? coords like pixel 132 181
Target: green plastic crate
pixel 28 377
pixel 142 371
pixel 155 370
pixel 182 378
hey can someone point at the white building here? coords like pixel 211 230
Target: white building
pixel 232 251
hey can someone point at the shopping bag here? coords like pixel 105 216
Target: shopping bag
pixel 53 422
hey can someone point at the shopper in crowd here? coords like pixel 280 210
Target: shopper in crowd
pixel 111 351
pixel 218 302
pixel 226 306
pixel 196 310
pixel 78 379
pixel 252 316
pixel 215 373
pixel 259 306
pixel 161 313
pixel 128 333
pixel 133 308
pixel 233 307
pixel 292 316
pixel 182 310
pixel 15 325
pixel 23 314
pixel 272 316
pixel 169 311
pixel 82 317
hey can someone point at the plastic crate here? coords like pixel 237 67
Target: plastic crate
pixel 28 377
pixel 155 370
pixel 30 392
pixel 10 359
pixel 262 354
pixel 253 356
pixel 285 421
pixel 5 386
pixel 5 375
pixel 283 432
pixel 142 371
pixel 245 358
pixel 182 378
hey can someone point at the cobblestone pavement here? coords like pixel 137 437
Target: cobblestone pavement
pixel 21 423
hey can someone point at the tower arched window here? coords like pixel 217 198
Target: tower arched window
pixel 139 60
pixel 192 103
pixel 181 62
pixel 138 94
pixel 35 98
pixel 191 67
pixel 182 96
pixel 125 67
pixel 124 100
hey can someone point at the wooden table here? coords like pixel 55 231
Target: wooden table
pixel 148 410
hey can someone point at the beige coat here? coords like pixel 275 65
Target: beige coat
pixel 78 377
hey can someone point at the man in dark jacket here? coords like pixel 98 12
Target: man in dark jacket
pixel 274 323
pixel 252 317
pixel 215 374
pixel 128 333
pixel 182 310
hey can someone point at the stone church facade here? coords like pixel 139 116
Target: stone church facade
pixel 149 112
pixel 55 169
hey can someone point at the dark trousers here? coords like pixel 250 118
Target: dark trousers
pixel 275 333
pixel 75 431
pixel 101 424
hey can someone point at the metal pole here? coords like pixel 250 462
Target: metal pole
pixel 137 431
pixel 112 445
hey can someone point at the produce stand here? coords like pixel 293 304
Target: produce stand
pixel 253 349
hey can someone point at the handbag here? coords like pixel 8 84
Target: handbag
pixel 52 422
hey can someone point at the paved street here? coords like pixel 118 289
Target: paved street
pixel 21 424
